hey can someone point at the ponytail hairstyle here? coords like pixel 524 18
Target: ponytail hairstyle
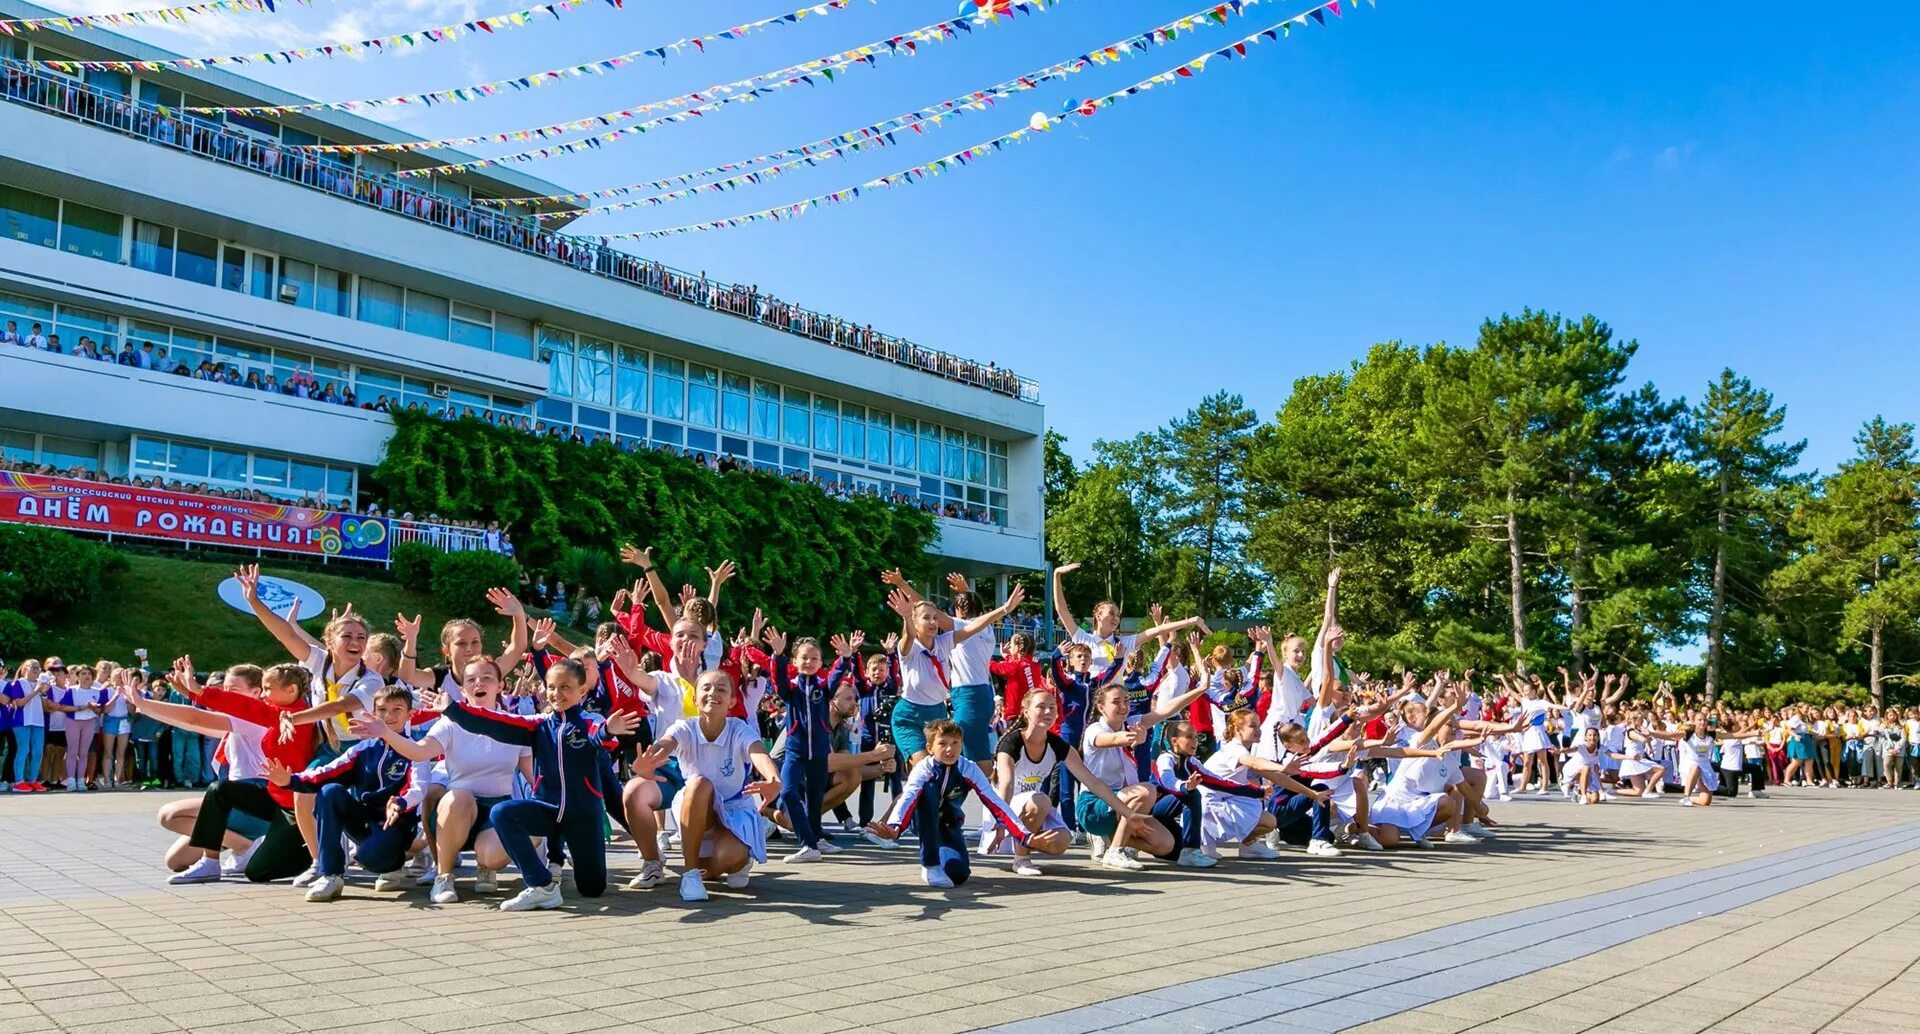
pixel 293 675
pixel 1240 721
pixel 331 634
pixel 386 647
pixel 451 631
pixel 700 611
pixel 966 604
pixel 1100 695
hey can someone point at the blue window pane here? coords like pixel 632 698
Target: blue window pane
pixel 704 441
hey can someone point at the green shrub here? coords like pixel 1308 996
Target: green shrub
pixel 809 560
pixel 593 572
pixel 1820 694
pixel 52 573
pixel 461 580
pixel 413 565
pixel 16 634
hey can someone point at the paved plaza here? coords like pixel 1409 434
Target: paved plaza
pixel 1798 913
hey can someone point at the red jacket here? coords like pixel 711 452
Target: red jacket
pixel 1019 677
pixel 295 752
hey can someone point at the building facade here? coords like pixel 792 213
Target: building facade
pixel 214 244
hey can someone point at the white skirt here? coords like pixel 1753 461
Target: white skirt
pixel 742 818
pixel 991 833
pixel 1341 796
pixel 1226 818
pixel 1412 812
pixel 1533 738
pixel 1633 767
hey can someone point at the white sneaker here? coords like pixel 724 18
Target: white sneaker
pixel 485 880
pixel 307 878
pixel 851 827
pixel 1322 849
pixel 1096 846
pixel 1605 796
pixel 428 876
pixel 1211 851
pixel 326 888
pixel 805 854
pixel 1366 840
pixel 665 841
pixel 1258 850
pixel 1191 858
pixel 534 897
pixel 1272 840
pixel 652 874
pixel 395 880
pixel 738 880
pixel 206 870
pixel 879 841
pixel 235 862
pixel 829 847
pixel 692 887
pixel 1025 867
pixel 1461 836
pixel 443 892
pixel 1115 859
pixel 1479 830
pixel 1079 838
pixel 935 877
pixel 419 863
pixel 1504 797
pixel 1761 794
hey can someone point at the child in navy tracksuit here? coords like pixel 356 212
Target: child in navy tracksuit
pixel 933 801
pixel 572 782
pixel 805 692
pixel 362 794
pixel 879 688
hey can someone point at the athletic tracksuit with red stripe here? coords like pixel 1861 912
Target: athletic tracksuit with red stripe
pixel 1177 807
pixel 353 790
pixel 932 800
pixel 571 786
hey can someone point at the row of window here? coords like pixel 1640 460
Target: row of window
pixel 184 255
pixel 53 450
pixel 631 380
pixel 272 473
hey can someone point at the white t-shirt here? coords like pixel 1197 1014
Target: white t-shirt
pixel 723 761
pixel 478 764
pixel 118 707
pixel 34 714
pixel 1733 753
pixel 1106 651
pixel 88 700
pixel 925 675
pixel 672 701
pixel 358 683
pixel 1113 766
pixel 968 666
pixel 1227 763
pixel 244 759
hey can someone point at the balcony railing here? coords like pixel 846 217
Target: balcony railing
pixel 47 91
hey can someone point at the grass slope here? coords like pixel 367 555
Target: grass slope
pixel 170 606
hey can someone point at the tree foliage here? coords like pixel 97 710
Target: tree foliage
pixel 805 557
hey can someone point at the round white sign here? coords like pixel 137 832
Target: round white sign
pixel 278 594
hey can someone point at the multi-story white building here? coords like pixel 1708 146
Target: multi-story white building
pixel 123 221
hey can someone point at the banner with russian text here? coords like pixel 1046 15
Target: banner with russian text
pixel 106 509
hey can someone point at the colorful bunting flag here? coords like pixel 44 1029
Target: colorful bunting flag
pixel 967 156
pixel 122 19
pixel 879 134
pixel 384 44
pixel 714 97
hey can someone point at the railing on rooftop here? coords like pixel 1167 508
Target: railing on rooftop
pixel 50 92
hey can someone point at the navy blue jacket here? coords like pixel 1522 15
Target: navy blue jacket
pixel 569 751
pixel 371 771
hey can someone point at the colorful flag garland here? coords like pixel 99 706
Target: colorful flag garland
pixel 501 87
pixel 381 45
pixel 879 134
pixel 808 73
pixel 1040 123
pixel 607 119
pixel 154 16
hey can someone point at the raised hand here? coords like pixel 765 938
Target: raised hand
pixel 776 641
pixel 719 576
pixel 505 603
pixel 1155 613
pixel 540 633
pixel 898 602
pixel 957 582
pixel 248 575
pixel 891 642
pixel 856 641
pixel 688 594
pixel 623 723
pixel 893 578
pixel 1066 569
pixel 1333 578
pixel 641 558
pixel 620 600
pixel 841 647
pixel 409 629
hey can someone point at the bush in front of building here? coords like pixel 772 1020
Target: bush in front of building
pixel 413 565
pixel 45 573
pixel 461 580
pixel 809 560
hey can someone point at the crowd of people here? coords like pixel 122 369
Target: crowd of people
pixel 25 83
pixel 700 746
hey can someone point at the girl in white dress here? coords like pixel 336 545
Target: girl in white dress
pixel 1581 768
pixel 1693 748
pixel 721 832
pixel 1640 775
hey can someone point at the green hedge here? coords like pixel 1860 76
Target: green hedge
pixel 810 560
pixel 413 565
pixel 1820 694
pixel 461 580
pixel 45 575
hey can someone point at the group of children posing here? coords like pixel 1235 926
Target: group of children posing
pixel 1137 745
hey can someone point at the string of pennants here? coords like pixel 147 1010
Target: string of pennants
pixel 808 73
pixel 121 19
pixel 781 78
pixel 380 45
pixel 535 80
pixel 1039 123
pixel 881 134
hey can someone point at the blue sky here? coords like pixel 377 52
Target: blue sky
pixel 1727 183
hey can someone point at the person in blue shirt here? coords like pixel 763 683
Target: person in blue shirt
pixel 361 795
pixel 572 778
pixel 805 694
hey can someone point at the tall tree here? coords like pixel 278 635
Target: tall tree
pixel 1057 471
pixel 1206 458
pixel 1732 438
pixel 1863 533
pixel 1100 527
